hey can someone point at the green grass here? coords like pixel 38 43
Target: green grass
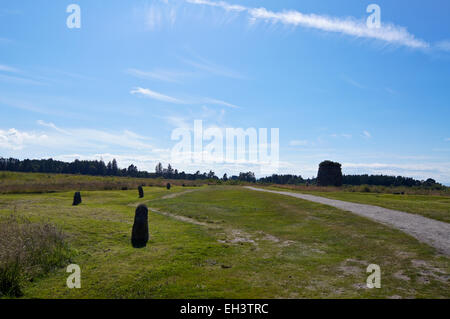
pixel 435 207
pixel 232 243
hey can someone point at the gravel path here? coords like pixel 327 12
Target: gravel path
pixel 430 231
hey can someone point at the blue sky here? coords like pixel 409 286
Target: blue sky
pixel 376 101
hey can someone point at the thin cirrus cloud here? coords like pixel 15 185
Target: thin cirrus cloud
pixel 212 68
pixel 444 45
pixel 366 134
pixel 6 68
pixel 93 138
pixel 159 74
pixel 219 102
pixel 353 82
pixel 298 143
pixel 5 40
pixel 156 96
pixel 170 99
pixel 388 33
pixel 13 75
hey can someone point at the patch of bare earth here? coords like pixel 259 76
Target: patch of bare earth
pixel 401 276
pixel 231 235
pixel 178 194
pixel 428 272
pixel 184 219
pixel 174 195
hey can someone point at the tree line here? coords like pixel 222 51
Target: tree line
pixel 329 173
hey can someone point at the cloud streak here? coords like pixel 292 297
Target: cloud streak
pixel 57 139
pixel 443 45
pixel 6 68
pixel 388 33
pixel 211 68
pixel 219 102
pixel 169 99
pixel 156 96
pixel 158 74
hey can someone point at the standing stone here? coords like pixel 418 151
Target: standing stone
pixel 141 192
pixel 330 174
pixel 168 185
pixel 76 199
pixel 139 235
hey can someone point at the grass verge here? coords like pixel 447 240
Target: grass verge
pixel 431 206
pixel 28 250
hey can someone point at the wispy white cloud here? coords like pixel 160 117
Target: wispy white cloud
pixel 159 74
pixel 221 4
pixel 56 139
pixel 353 82
pixel 388 33
pixel 156 96
pixel 169 99
pixel 298 143
pixel 16 76
pixel 41 107
pixel 19 80
pixel 205 65
pixel 52 126
pixel 157 14
pixel 5 40
pixel 13 139
pixel 219 102
pixel 366 134
pixel 443 45
pixel 6 68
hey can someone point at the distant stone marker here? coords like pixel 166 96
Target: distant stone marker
pixel 168 185
pixel 141 192
pixel 139 235
pixel 76 199
pixel 330 174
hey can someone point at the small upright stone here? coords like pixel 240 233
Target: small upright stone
pixel 168 185
pixel 139 235
pixel 76 199
pixel 141 191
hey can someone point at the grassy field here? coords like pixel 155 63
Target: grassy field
pixel 227 242
pixel 16 182
pixel 431 206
